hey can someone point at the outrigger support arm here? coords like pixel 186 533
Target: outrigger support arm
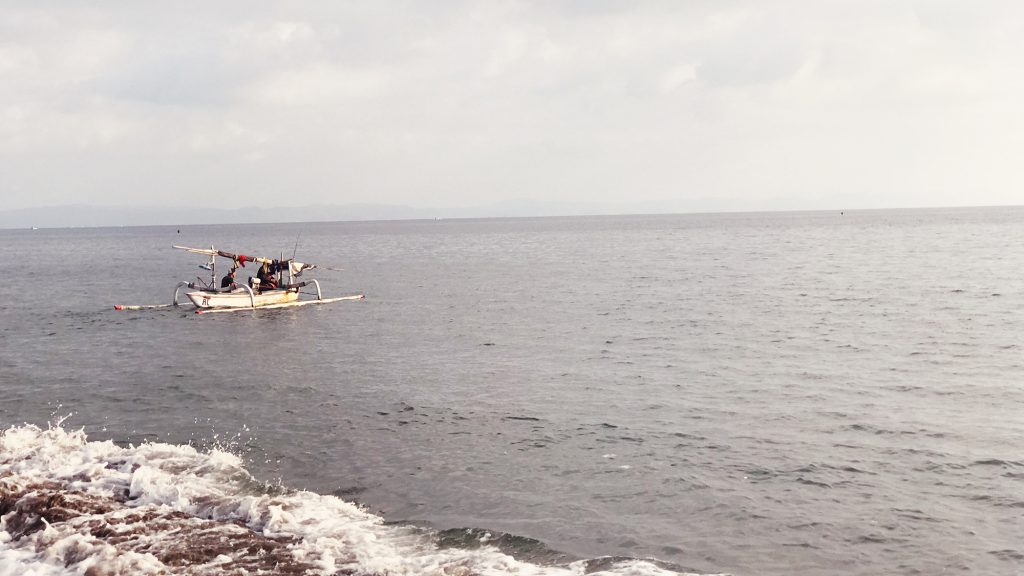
pixel 298 285
pixel 177 288
pixel 252 297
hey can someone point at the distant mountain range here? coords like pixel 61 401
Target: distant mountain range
pixel 73 216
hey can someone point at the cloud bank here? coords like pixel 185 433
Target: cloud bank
pixel 698 105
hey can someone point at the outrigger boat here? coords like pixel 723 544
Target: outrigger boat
pixel 277 289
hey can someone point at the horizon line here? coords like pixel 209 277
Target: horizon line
pixel 841 211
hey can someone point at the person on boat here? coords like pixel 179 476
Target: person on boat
pixel 266 278
pixel 229 280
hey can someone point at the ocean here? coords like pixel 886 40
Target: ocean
pixel 756 394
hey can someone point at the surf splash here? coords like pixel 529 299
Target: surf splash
pixel 73 506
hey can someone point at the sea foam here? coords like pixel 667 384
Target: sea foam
pixel 73 506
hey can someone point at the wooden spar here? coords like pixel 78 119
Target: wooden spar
pixel 224 254
pixel 282 305
pixel 294 268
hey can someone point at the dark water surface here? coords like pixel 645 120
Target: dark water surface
pixel 790 393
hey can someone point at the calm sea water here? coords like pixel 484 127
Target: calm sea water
pixel 786 393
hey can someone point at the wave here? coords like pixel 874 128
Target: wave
pixel 73 506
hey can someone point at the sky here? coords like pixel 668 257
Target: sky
pixel 659 106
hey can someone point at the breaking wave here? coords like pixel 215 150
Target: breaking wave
pixel 73 506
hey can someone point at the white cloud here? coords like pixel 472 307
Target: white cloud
pixel 320 84
pixel 708 104
pixel 677 76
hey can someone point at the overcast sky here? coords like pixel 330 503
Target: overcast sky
pixel 690 105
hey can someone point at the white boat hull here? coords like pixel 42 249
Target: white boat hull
pixel 240 298
pixel 285 305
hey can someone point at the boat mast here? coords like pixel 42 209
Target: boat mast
pixel 280 273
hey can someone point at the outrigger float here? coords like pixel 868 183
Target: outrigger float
pixel 268 290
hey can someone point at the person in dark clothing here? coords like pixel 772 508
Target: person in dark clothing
pixel 229 280
pixel 266 276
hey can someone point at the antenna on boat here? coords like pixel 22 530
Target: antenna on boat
pixel 296 249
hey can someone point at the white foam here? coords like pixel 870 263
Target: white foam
pixel 159 479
